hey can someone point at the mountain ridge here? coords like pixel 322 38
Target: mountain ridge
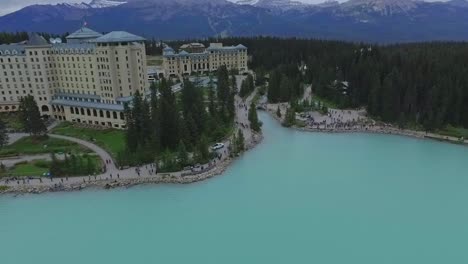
pixel 384 21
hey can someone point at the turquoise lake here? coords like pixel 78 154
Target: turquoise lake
pixel 297 198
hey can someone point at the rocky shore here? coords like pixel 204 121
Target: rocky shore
pixel 375 129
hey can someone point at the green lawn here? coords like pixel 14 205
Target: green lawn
pixel 454 132
pixel 112 140
pixel 39 167
pixel 31 146
pixel 26 169
pixel 12 120
pixel 327 103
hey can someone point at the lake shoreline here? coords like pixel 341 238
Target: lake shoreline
pixel 374 130
pixel 160 178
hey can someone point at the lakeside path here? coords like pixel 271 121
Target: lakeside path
pixel 113 177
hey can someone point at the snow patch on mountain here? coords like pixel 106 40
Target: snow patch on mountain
pixel 246 2
pixel 98 4
pixel 384 7
pixel 105 3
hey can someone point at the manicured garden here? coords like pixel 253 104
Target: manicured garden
pixel 112 140
pixel 41 145
pixel 33 168
pixel 72 165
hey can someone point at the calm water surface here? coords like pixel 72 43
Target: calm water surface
pixel 296 198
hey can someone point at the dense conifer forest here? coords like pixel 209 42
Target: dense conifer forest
pixel 419 84
pixel 170 126
pixel 10 38
pixel 423 84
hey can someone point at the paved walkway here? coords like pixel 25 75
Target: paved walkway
pixel 307 93
pixel 11 161
pixel 13 137
pixel 104 155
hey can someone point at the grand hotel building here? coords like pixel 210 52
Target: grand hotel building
pixel 88 79
pixel 195 58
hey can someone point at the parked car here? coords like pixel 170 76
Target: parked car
pixel 217 146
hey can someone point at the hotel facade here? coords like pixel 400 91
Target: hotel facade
pixel 195 58
pixel 88 79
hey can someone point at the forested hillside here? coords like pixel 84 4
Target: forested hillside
pixel 421 83
pixel 8 38
pixel 16 37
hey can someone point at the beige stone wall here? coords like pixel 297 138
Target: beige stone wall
pixel 15 81
pixel 74 73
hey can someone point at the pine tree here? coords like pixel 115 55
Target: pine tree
pixel 31 117
pixel 290 117
pixel 274 87
pixel 253 118
pixel 182 154
pixel 374 104
pixel 212 100
pixel 240 144
pixel 225 96
pixel 233 145
pixel 73 164
pixel 55 166
pixel 145 125
pixel 169 117
pixel 89 164
pixel 244 89
pixel 193 109
pixel 202 150
pixel 155 133
pixel 131 135
pixel 3 134
pixel 233 81
pixel 278 112
pixel 247 86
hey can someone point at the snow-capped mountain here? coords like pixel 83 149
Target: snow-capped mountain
pixel 105 3
pixel 98 4
pixel 356 20
pixel 458 3
pixel 384 7
pixel 280 4
pixel 245 2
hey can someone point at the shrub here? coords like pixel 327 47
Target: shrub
pixel 42 164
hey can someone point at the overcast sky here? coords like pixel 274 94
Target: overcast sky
pixel 8 6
